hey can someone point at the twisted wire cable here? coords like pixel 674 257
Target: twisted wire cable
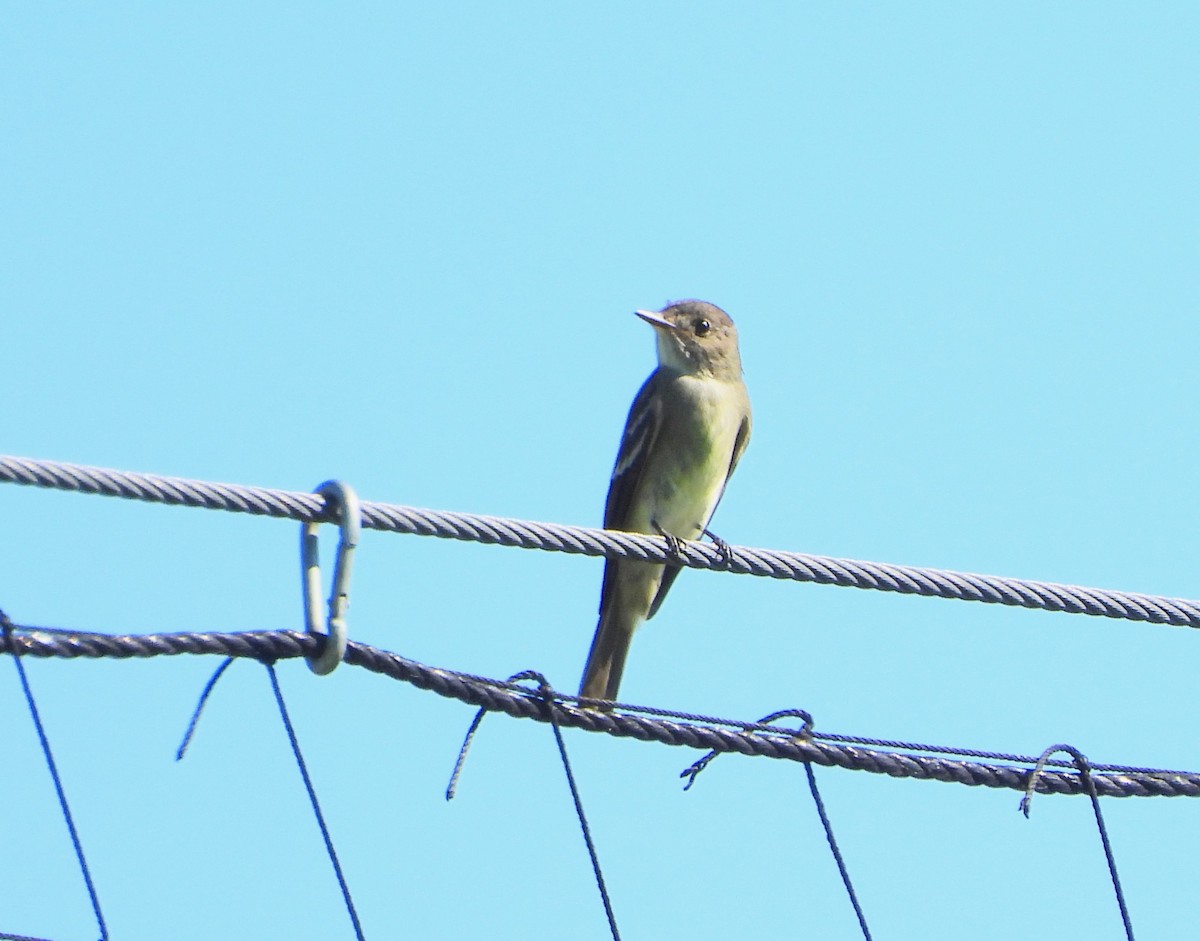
pixel 746 738
pixel 579 540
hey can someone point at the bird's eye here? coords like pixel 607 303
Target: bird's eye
pixel 702 327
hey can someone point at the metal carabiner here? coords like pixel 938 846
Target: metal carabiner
pixel 349 519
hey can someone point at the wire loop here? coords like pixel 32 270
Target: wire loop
pixel 1089 787
pixel 804 733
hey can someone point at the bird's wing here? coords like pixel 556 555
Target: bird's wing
pixel 641 431
pixel 739 448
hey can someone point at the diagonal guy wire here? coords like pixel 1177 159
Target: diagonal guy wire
pixel 1085 774
pixel 312 797
pixel 547 698
pixel 308 785
pixel 837 853
pixel 7 627
pixel 554 537
pixel 692 772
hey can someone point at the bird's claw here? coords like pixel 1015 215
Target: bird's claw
pixel 722 546
pixel 674 543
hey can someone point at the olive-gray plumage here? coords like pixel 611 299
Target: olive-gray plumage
pixel 686 431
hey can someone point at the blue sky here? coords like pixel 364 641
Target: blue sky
pixel 400 245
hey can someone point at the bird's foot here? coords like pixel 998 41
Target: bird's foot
pixel 722 547
pixel 674 543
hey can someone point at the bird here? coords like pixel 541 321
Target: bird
pixel 686 431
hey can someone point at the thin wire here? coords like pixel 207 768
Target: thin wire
pixel 825 570
pixel 1084 767
pixel 976 753
pixel 837 853
pixel 291 733
pixel 452 787
pixel 762 726
pixel 583 824
pixel 207 691
pixel 7 627
pixel 312 797
pixel 694 770
pixel 547 698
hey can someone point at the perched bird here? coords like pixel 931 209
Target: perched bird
pixel 686 431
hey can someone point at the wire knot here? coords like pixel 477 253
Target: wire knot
pixel 804 733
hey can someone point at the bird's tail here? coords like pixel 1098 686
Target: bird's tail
pixel 606 660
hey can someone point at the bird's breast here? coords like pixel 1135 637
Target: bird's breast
pixel 696 458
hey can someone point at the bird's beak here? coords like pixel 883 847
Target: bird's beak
pixel 655 319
